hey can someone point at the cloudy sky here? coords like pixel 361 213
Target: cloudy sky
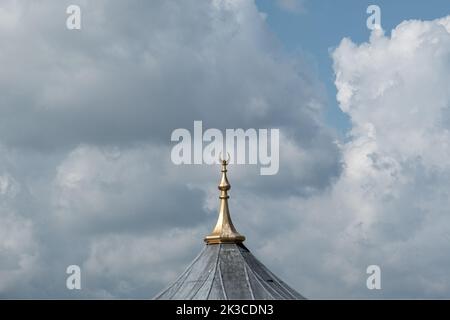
pixel 86 118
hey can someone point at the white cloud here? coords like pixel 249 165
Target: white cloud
pixel 399 87
pixel 389 205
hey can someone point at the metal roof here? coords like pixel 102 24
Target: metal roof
pixel 228 271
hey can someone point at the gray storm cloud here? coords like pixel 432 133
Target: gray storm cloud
pixel 86 118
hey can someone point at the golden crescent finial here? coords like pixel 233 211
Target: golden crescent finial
pixel 224 161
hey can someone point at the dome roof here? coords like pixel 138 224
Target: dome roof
pixel 228 271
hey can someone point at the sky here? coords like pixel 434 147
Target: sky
pixel 316 27
pixel 86 116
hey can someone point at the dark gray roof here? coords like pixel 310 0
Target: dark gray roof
pixel 228 271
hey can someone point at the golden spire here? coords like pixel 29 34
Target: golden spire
pixel 224 231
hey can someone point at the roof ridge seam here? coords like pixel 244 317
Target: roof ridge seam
pixel 206 279
pixel 248 281
pixel 221 280
pixel 246 272
pixel 185 274
pixel 214 273
pixel 257 277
